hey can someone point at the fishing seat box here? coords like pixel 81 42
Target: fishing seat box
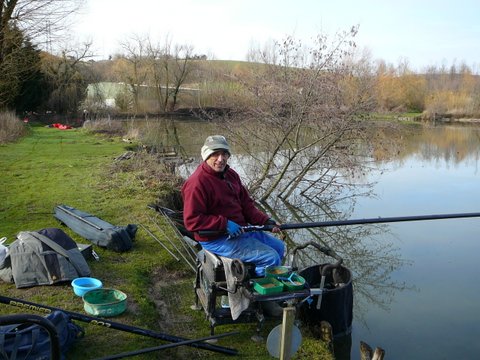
pixel 214 270
pixel 212 266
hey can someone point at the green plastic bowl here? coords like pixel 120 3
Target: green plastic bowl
pixel 277 271
pixel 267 286
pixel 295 282
pixel 105 302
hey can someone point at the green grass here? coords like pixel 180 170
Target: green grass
pixel 410 117
pixel 51 167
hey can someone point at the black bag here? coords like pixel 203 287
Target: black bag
pixel 98 231
pixel 32 342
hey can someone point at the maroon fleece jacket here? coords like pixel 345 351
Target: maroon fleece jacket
pixel 211 198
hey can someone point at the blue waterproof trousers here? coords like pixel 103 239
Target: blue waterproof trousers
pixel 257 247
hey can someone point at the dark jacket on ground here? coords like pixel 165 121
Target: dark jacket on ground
pixel 211 198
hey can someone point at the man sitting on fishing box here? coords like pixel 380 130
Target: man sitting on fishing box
pixel 216 201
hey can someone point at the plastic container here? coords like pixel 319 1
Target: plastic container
pixel 267 286
pixel 83 284
pixel 277 271
pixel 105 302
pixel 293 282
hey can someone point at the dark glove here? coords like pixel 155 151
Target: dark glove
pixel 271 222
pixel 275 224
pixel 233 229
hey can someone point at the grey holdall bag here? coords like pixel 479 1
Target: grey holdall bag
pixel 45 257
pixel 98 231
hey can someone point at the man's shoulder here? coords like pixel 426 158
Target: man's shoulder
pixel 230 173
pixel 197 176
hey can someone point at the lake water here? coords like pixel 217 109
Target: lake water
pixel 427 305
pixel 437 315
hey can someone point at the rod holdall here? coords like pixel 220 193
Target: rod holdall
pixel 95 229
pixel 32 341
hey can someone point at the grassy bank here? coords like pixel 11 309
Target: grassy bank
pixel 51 167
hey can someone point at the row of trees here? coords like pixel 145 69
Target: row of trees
pixel 453 90
pixel 32 79
pixel 163 69
pixel 156 74
pixel 155 83
pixel 153 74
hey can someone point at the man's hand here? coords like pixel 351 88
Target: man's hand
pixel 234 229
pixel 276 228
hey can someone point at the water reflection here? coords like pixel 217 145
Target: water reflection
pixel 370 256
pixel 434 170
pixel 370 259
pixel 437 172
pixel 452 144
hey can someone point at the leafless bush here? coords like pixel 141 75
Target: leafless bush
pixel 11 128
pixel 302 128
pixel 133 133
pixel 105 126
pixel 151 172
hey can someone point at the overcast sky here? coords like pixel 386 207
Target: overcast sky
pixel 426 32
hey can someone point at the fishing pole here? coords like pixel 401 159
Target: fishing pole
pixel 189 248
pixel 377 220
pixel 114 325
pixel 165 213
pixel 161 243
pixel 189 263
pixel 167 346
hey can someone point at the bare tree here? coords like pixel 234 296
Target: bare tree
pixel 304 102
pixel 158 79
pixel 24 25
pixel 160 67
pixel 68 78
pixel 306 145
pixel 180 68
pixel 135 77
pixel 40 20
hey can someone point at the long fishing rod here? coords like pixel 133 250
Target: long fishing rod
pixel 163 347
pixel 189 263
pixel 114 325
pixel 377 220
pixel 161 243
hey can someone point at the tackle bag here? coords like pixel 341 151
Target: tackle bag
pixel 32 341
pixel 43 257
pixel 98 231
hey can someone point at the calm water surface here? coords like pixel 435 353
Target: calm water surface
pixel 438 316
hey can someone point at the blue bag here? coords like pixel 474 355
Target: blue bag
pixel 32 341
